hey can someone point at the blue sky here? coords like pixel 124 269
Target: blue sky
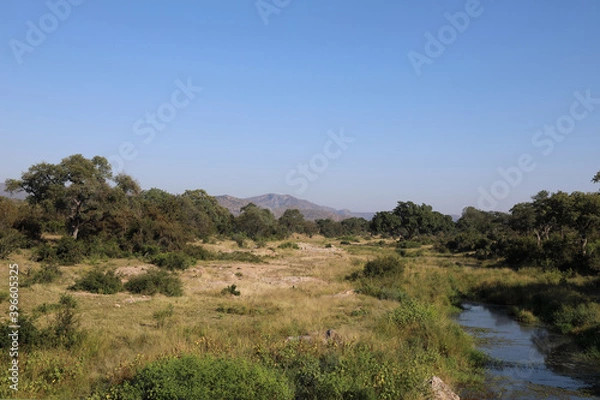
pixel 273 94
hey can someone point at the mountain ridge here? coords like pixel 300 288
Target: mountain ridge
pixel 278 203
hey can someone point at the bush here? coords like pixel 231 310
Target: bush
pixel 96 281
pixel 207 378
pixel 173 260
pixel 70 251
pixel 10 240
pixel 383 266
pixel 288 245
pixel 29 334
pixel 241 256
pixel 47 274
pixel 156 281
pixel 408 244
pixel 231 290
pixel 240 239
pixel 198 252
pixel 412 311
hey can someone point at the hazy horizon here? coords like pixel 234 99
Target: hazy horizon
pixel 344 104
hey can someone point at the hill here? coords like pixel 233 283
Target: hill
pixel 278 203
pixel 17 195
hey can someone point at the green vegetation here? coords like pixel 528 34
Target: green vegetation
pixel 155 281
pixel 96 281
pixel 205 378
pixel 172 260
pixel 288 245
pixel 231 290
pixel 388 295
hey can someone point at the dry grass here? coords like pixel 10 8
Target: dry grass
pixel 296 292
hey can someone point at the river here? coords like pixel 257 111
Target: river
pixel 529 362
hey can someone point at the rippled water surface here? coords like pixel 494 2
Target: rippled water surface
pixel 530 362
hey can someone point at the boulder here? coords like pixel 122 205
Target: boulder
pixel 441 391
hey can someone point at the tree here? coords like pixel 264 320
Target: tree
pixel 355 225
pixel 221 218
pixel 77 188
pixel 292 221
pixel 385 222
pixel 421 220
pixel 330 228
pixel 256 222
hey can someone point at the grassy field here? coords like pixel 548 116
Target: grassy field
pixel 286 304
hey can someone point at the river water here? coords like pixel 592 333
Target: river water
pixel 529 362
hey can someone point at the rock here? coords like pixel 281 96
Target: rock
pixel 441 391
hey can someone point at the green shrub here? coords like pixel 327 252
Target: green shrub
pixel 568 318
pixel 172 260
pixel 61 332
pixel 64 331
pixel 383 266
pixel 155 281
pixel 29 334
pixel 70 251
pixel 240 239
pixel 96 281
pixel 412 311
pixel 241 256
pixel 45 253
pixel 408 244
pixel 105 248
pixel 10 240
pixel 198 252
pixel 288 245
pixel 231 290
pixel 46 274
pixel 206 378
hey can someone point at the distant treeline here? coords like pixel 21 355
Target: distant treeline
pixel 96 212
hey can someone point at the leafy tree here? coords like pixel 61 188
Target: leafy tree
pixel 292 221
pixel 220 217
pixel 355 226
pixel 385 222
pixel 78 189
pixel 256 222
pixel 421 220
pixel 330 228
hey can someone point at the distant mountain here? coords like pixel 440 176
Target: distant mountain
pixel 16 195
pixel 278 203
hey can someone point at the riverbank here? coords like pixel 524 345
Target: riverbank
pixel 526 360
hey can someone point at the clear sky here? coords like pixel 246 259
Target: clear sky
pixel 430 104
